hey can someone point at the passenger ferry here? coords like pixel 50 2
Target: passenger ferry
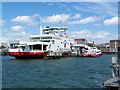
pixel 92 52
pixel 51 42
pixel 82 48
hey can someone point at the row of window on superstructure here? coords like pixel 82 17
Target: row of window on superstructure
pixel 51 29
pixel 41 38
pixel 36 47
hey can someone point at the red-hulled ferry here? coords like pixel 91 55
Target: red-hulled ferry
pixel 52 41
pixel 92 52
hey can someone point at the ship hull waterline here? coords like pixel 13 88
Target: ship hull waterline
pixel 91 55
pixel 27 55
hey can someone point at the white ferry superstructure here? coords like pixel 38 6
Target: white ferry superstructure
pixel 52 40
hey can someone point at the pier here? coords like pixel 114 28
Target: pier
pixel 114 82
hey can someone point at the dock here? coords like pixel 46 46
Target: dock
pixel 114 82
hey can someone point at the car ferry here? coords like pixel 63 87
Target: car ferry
pixel 52 42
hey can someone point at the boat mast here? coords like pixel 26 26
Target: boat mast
pixel 40 25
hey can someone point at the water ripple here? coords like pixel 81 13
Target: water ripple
pixel 73 72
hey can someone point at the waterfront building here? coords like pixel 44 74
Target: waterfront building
pixel 79 41
pixel 104 47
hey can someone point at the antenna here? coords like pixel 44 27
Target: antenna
pixel 40 20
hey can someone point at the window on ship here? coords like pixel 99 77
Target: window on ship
pixel 30 47
pixel 44 47
pixel 46 37
pixel 53 41
pixel 45 40
pixel 23 47
pixel 37 47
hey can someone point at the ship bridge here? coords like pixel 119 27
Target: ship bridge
pixel 54 30
pixel 44 38
pixel 50 34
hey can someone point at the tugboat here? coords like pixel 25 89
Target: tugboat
pixel 114 82
pixel 51 42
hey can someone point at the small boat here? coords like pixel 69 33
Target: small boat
pixel 92 52
pixel 90 55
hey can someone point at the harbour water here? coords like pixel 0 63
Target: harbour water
pixel 71 72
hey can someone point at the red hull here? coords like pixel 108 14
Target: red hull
pixel 27 55
pixel 90 55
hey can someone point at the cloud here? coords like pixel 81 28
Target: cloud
pixel 8 35
pixel 83 32
pixel 64 18
pixel 2 22
pixel 17 28
pixel 86 20
pixel 100 8
pixel 56 18
pixel 29 20
pixel 76 16
pixel 97 24
pixel 89 33
pixel 60 17
pixel 63 5
pixel 99 36
pixel 112 21
pixel 90 19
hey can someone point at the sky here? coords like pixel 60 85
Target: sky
pixel 97 21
